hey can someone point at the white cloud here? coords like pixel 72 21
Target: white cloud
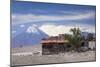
pixel 13 31
pixel 23 18
pixel 22 25
pixel 53 30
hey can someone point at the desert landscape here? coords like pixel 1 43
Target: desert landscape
pixel 48 33
pixel 33 57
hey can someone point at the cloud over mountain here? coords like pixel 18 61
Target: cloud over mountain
pixel 54 30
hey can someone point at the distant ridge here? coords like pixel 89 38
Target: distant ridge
pixel 28 36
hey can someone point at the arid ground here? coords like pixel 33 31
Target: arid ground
pixel 32 57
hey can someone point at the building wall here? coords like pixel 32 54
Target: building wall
pixel 53 48
pixel 92 44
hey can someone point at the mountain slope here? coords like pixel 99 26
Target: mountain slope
pixel 30 36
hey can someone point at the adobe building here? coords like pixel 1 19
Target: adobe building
pixel 54 44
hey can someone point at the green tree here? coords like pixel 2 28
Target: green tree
pixel 75 39
pixel 75 31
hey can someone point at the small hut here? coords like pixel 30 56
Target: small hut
pixel 54 44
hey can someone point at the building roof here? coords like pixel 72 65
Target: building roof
pixel 55 41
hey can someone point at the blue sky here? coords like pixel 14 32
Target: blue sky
pixel 57 16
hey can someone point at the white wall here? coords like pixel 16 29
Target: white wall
pixel 5 33
pixel 92 44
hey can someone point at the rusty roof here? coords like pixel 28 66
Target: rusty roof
pixel 54 41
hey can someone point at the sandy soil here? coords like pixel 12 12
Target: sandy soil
pixel 43 59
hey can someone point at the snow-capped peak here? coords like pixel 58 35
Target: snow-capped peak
pixel 32 29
